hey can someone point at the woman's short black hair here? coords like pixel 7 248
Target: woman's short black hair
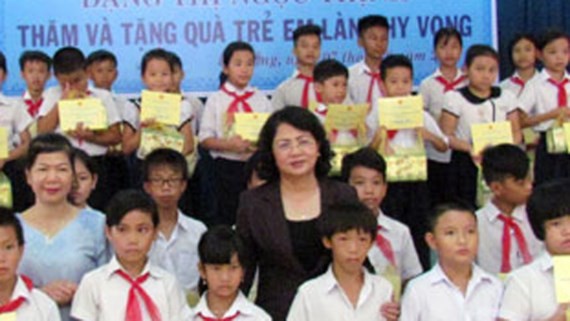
pixel 303 120
pixel 48 143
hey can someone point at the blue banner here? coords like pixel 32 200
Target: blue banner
pixel 198 30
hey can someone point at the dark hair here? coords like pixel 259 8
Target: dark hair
pixel 48 143
pixel 345 216
pixel 129 200
pixel 445 34
pixel 303 120
pixel 549 36
pixel 441 209
pixel 365 157
pixel 3 62
pixel 164 157
pixel 252 165
pixel 34 55
pixel 228 54
pixel 516 39
pixel 306 30
pixel 176 61
pixel 68 60
pixel 9 219
pixel 480 50
pixel 329 68
pixel 156 54
pixel 101 55
pixel 88 161
pixel 393 61
pixel 503 161
pixel 370 21
pixel 548 201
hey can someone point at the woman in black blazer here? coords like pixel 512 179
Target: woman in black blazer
pixel 277 221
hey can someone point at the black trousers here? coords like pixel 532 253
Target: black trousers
pixel 230 182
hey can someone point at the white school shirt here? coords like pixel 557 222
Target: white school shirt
pixel 398 234
pixel 432 92
pixel 290 92
pixel 15 118
pixel 529 292
pixel 197 107
pixel 247 310
pixel 52 97
pixel 406 138
pixel 103 295
pixel 213 124
pixel 322 298
pixel 490 228
pixel 432 296
pixel 179 254
pixel 359 82
pixel 516 89
pixel 470 109
pixel 37 307
pixel 540 96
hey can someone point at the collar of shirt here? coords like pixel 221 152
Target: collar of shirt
pixel 28 96
pixel 231 88
pixel 438 73
pixel 240 304
pixel 20 290
pixel 492 212
pixel 544 75
pixel 384 221
pixel 362 68
pixel 4 100
pixel 470 97
pixel 544 262
pixel 477 276
pixel 114 265
pixel 517 75
pixel 181 223
pixel 330 284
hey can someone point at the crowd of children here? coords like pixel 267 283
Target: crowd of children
pixel 103 230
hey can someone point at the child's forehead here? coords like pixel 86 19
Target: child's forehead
pixel 454 218
pixel 7 233
pixel 104 62
pixel 398 71
pixel 336 78
pixel 163 169
pixel 136 217
pixel 375 30
pixel 448 40
pixel 35 63
pixel 365 171
pixel 308 37
pixel 557 42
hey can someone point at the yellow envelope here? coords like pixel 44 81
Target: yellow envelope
pixel 393 276
pixel 153 138
pixel 248 125
pixel 491 134
pixel 162 107
pixel 562 277
pixel 4 149
pixel 566 127
pixel 10 316
pixel 407 168
pixel 401 112
pixel 89 111
pixel 6 197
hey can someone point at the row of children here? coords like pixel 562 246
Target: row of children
pixel 354 233
pixel 452 172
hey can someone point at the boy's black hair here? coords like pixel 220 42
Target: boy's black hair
pixel 252 165
pixel 329 68
pixel 518 37
pixel 393 61
pixel 345 216
pixel 365 157
pixel 229 52
pixel 34 55
pixel 370 21
pixel 48 143
pixel 158 54
pixel 480 50
pixel 549 36
pixel 129 200
pixel 548 201
pixel 9 219
pixel 441 209
pixel 165 157
pixel 176 61
pixel 101 55
pixel 503 161
pixel 88 161
pixel 445 34
pixel 306 30
pixel 3 62
pixel 68 60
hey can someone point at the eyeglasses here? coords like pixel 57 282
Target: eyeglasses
pixel 169 181
pixel 287 145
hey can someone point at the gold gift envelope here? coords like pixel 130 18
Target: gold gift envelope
pixel 556 140
pixel 5 191
pixel 162 137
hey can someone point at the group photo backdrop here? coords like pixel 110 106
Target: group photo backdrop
pixel 198 31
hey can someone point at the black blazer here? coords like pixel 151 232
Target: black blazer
pixel 262 225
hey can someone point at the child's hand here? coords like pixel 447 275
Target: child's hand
pixel 61 292
pixel 148 122
pixel 81 132
pixel 560 314
pixel 477 159
pixel 2 163
pixel 238 144
pixel 390 311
